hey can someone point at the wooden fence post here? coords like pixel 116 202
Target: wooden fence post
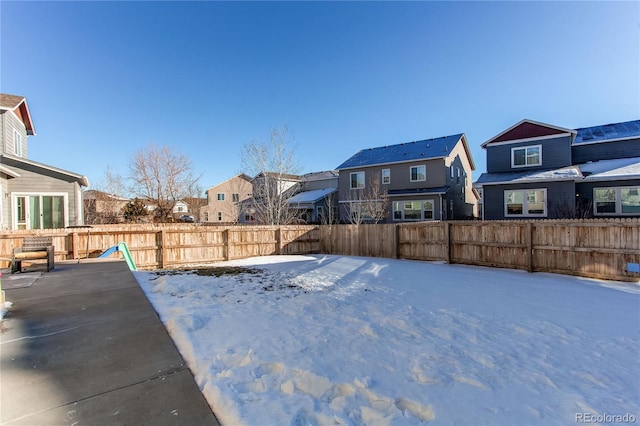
pixel 161 249
pixel 447 237
pixel 530 247
pixel 397 225
pixel 279 241
pixel 225 241
pixel 74 246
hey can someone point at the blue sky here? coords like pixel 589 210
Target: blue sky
pixel 106 79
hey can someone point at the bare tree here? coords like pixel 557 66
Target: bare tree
pixel 162 177
pixel 273 164
pixel 368 204
pixel 105 203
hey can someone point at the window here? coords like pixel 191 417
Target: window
pixel 357 180
pixel 235 197
pixel 386 176
pixel 220 196
pixel 206 216
pixel 617 200
pixel 413 210
pixel 220 216
pixel 525 202
pixel 17 141
pixel 526 156
pixel 418 173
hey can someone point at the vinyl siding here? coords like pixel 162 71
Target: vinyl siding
pixel 584 191
pixel 10 122
pixel 34 183
pixel 585 152
pixel 560 196
pixel 556 153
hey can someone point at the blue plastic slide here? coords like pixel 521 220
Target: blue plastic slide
pixel 126 254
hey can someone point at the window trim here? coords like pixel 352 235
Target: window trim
pixel 424 167
pixel 422 203
pixel 388 176
pixel 525 203
pixel 220 196
pixel 357 180
pixel 526 148
pixel 17 143
pixel 618 201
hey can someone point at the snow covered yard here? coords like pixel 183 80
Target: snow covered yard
pixel 349 340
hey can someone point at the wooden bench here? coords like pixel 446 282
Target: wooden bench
pixel 33 248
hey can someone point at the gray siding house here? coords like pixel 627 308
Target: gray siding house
pixel 537 170
pixel 33 195
pixel 422 180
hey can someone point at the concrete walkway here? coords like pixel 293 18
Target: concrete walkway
pixel 82 345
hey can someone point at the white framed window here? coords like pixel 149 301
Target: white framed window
pixel 356 180
pixel 219 216
pixel 413 210
pixel 418 173
pixel 220 196
pixel 621 200
pixel 386 176
pixel 525 202
pixel 235 198
pixel 526 156
pixel 17 142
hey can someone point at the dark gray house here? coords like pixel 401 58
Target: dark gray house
pixel 32 195
pixel 537 170
pixel 423 180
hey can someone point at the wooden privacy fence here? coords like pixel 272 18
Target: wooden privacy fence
pixel 608 249
pixel 157 247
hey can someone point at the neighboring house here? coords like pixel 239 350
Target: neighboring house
pixel 317 200
pixel 538 170
pixel 33 195
pixel 269 203
pixel 224 201
pixel 102 207
pixel 424 180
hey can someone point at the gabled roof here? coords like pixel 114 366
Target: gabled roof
pixel 23 163
pixel 608 132
pixel 528 129
pixel 409 151
pixel 18 104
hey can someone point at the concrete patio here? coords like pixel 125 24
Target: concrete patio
pixel 82 345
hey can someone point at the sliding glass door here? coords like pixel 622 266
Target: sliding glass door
pixel 39 211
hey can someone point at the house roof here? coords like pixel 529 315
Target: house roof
pixel 18 104
pixel 564 173
pixel 275 175
pixel 526 129
pixel 94 194
pixel 311 196
pixel 619 168
pixel 23 163
pixel 607 132
pixel 409 151
pixel 324 175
